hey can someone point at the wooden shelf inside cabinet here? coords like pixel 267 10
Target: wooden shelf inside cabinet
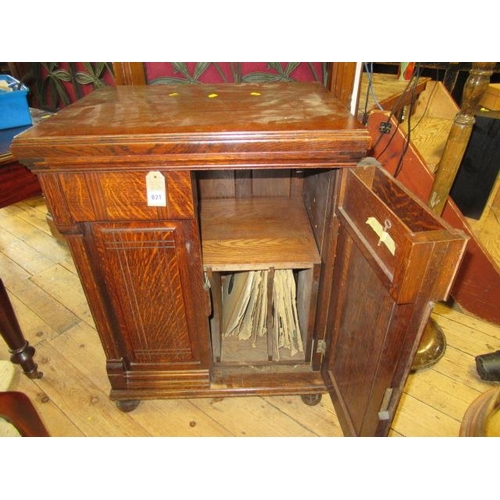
pixel 256 233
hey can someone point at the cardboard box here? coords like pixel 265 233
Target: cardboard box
pixel 14 109
pixel 491 98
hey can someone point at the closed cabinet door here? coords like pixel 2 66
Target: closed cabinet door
pixel 153 279
pixel 393 260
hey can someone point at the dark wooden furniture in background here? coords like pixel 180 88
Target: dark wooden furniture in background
pixel 482 418
pixel 16 181
pixel 19 411
pixel 135 177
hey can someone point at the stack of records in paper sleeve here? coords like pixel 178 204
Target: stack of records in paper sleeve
pixel 286 327
pixel 245 309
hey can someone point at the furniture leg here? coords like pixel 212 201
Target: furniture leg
pixel 17 409
pixel 22 353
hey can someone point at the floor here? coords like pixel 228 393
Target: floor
pixel 72 396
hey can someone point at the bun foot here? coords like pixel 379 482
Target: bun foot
pixel 311 399
pixel 128 405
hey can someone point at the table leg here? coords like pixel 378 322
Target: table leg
pixel 21 352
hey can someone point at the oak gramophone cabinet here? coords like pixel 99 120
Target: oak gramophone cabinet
pixel 165 193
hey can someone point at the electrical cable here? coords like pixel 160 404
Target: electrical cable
pixel 408 119
pixel 428 102
pixel 399 166
pixel 411 86
pixel 365 111
pixel 411 129
pixel 392 111
pixel 370 88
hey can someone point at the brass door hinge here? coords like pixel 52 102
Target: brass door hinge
pixel 321 347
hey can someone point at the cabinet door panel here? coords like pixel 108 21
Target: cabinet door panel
pixel 155 290
pixel 376 317
pixel 365 342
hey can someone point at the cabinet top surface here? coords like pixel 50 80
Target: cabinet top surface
pixel 183 115
pixel 166 109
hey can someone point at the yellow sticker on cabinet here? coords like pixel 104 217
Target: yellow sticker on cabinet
pixel 155 189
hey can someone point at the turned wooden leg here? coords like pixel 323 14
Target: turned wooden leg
pixel 433 343
pixel 21 352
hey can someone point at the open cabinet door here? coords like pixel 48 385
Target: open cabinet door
pixel 394 259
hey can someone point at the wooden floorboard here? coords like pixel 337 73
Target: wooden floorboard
pixel 72 397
